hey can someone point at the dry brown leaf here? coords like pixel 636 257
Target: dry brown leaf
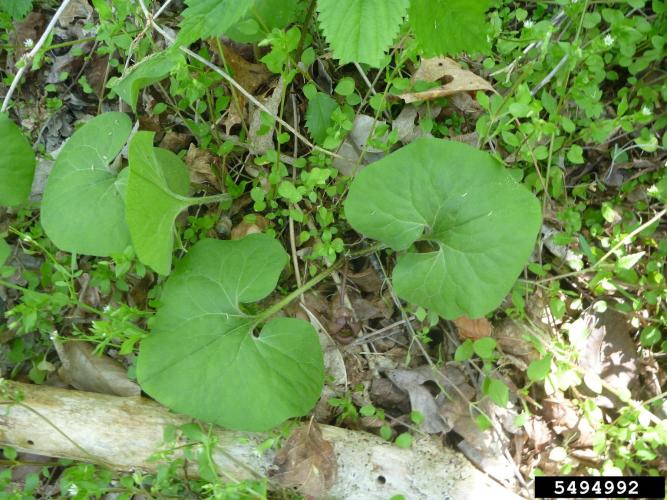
pixel 85 371
pixel 564 418
pixel 200 165
pixel 307 462
pixel 244 228
pixel 29 29
pixel 454 80
pixel 250 76
pixel 175 141
pixel 260 143
pixel 473 328
pixel 77 9
pixel 605 347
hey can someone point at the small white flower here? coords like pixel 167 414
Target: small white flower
pixel 73 489
pixel 528 24
pixel 106 308
pixel 609 40
pixel 54 335
pixel 27 238
pixel 646 111
pixel 28 43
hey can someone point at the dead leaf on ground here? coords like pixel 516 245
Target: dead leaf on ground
pixel 200 166
pixel 417 382
pixel 473 328
pixel 77 9
pixel 261 140
pixel 251 76
pixel 85 371
pixel 244 228
pixel 307 462
pixel 454 80
pixel 566 420
pixel 175 141
pixel 513 338
pixel 30 28
pixel 606 349
pixel 538 432
pixel 356 142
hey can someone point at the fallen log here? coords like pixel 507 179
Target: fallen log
pixel 123 432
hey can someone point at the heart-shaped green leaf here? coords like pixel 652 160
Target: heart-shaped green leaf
pixel 17 164
pixel 202 357
pixel 146 72
pixel 480 224
pixel 82 208
pixel 156 193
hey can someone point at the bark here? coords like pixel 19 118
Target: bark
pixel 123 432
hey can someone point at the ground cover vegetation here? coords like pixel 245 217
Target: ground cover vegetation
pixel 407 217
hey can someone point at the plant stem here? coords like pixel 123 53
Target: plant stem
pixel 317 279
pixel 297 293
pixel 216 198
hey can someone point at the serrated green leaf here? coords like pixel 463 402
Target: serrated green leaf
pixel 202 358
pixel 210 18
pixel 5 251
pixel 481 224
pixel 153 69
pixel 17 9
pixel 156 193
pixel 361 30
pixel 448 27
pixel 318 116
pixel 263 17
pixel 82 208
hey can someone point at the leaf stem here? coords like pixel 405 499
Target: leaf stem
pixel 297 293
pixel 317 279
pixel 216 198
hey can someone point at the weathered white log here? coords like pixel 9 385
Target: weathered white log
pixel 122 433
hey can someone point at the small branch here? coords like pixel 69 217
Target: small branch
pixel 26 60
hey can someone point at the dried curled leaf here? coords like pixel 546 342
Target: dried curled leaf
pixel 454 78
pixel 307 462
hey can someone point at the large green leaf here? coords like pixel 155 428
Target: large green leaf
pixel 151 70
pixel 262 17
pixel 5 251
pixel 210 18
pixel 17 164
pixel 450 26
pixel 82 208
pixel 480 225
pixel 361 30
pixel 156 193
pixel 202 357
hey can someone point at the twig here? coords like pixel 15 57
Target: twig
pixel 551 74
pixel 233 83
pixel 26 60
